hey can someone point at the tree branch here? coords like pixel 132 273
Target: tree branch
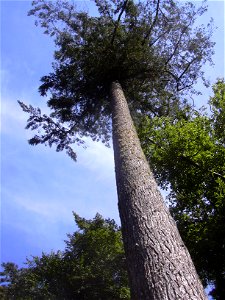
pixel 177 45
pixel 153 24
pixel 187 67
pixel 118 21
pixel 152 43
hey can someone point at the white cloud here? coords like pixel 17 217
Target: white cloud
pixel 97 158
pixel 11 111
pixel 50 210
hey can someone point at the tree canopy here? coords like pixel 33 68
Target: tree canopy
pixel 188 158
pixel 92 266
pixel 151 47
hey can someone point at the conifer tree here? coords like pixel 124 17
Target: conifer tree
pixel 132 59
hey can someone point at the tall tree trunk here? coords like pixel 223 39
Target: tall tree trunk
pixel 159 264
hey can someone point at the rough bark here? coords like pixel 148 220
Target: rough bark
pixel 159 264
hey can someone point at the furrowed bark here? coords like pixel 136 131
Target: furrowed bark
pixel 159 264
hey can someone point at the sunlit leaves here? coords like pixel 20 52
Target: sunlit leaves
pixel 217 103
pixel 187 155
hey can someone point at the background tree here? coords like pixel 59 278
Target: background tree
pixel 136 46
pixel 188 158
pixel 92 266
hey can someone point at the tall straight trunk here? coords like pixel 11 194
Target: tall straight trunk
pixel 159 264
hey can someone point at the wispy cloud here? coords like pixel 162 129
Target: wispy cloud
pixel 97 158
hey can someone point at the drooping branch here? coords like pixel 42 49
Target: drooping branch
pixel 50 132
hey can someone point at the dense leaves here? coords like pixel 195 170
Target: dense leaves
pixel 151 47
pixel 217 104
pixel 188 157
pixel 91 267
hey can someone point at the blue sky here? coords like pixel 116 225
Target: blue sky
pixel 39 187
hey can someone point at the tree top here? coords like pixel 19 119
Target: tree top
pixel 151 47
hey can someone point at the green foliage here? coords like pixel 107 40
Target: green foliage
pixel 151 47
pixel 188 158
pixel 217 103
pixel 20 283
pixel 2 293
pixel 91 267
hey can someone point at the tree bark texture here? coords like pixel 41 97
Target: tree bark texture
pixel 159 264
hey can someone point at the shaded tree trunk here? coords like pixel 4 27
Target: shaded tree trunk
pixel 159 264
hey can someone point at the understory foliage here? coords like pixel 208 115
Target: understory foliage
pixel 92 266
pixel 187 156
pixel 151 47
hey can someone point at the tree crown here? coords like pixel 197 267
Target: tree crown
pixel 92 266
pixel 151 47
